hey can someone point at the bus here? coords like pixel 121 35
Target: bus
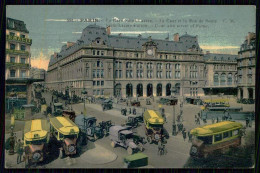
pixel 215 137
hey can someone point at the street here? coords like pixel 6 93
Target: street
pixel 100 154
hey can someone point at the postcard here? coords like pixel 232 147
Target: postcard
pixel 130 86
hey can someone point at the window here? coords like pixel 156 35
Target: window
pixel 23 60
pixel 12 46
pixel 94 52
pixel 102 53
pixel 225 135
pixel 94 92
pixel 12 59
pixel 250 62
pixel 23 73
pixel 97 92
pixel 94 83
pixel 94 73
pixel 98 83
pixel 23 36
pixel 102 83
pixel 102 92
pixel 250 79
pixel 217 137
pixel 98 74
pixel 98 52
pixel 102 73
pixel 23 47
pixel 98 63
pixel 205 139
pixel 12 73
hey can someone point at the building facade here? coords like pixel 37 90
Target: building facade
pixel 37 73
pixel 221 73
pixel 117 65
pixel 246 66
pixel 17 71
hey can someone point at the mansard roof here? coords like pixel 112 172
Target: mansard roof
pixel 93 32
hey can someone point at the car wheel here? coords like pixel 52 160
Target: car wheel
pixel 149 140
pixel 129 150
pixel 113 144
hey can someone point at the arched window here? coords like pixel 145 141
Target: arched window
pixel 229 80
pixel 223 79
pixel 216 79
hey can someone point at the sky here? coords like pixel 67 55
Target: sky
pixel 220 29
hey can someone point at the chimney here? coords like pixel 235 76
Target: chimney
pixel 176 37
pixel 108 30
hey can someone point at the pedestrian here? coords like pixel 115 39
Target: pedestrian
pixel 247 121
pixel 19 150
pixel 159 148
pixel 190 136
pixel 52 98
pixel 178 126
pixel 217 120
pixel 127 103
pixel 184 134
pixel 198 121
pixel 134 111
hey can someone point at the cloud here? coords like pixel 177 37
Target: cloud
pixel 41 61
pixel 133 32
pixel 218 47
pixel 56 20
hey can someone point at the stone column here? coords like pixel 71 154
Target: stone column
pixel 28 94
pixel 144 90
pixel 238 93
pixel 134 90
pixel 154 89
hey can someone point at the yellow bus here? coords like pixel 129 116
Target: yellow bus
pixel 154 129
pixel 65 133
pixel 35 141
pixel 215 137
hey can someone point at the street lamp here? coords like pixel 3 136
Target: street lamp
pixel 84 92
pixel 174 132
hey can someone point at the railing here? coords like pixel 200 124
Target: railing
pixel 20 39
pixel 12 64
pixel 17 51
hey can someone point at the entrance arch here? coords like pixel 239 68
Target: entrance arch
pixel 149 90
pixel 139 90
pixel 168 89
pixel 117 90
pixel 159 89
pixel 129 90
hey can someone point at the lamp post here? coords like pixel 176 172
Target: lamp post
pixel 174 133
pixel 84 92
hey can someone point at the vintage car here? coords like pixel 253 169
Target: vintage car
pixel 135 160
pixel 135 103
pixel 65 133
pixel 132 121
pixel 168 101
pixel 107 104
pixel 69 114
pixel 87 125
pixel 154 129
pixel 57 109
pixel 36 134
pixel 215 137
pixel 148 101
pixel 122 136
pixel 105 125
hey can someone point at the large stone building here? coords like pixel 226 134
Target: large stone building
pixel 118 65
pixel 246 68
pixel 17 71
pixel 221 72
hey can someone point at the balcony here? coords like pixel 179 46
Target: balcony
pixel 19 39
pixel 22 52
pixel 17 65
